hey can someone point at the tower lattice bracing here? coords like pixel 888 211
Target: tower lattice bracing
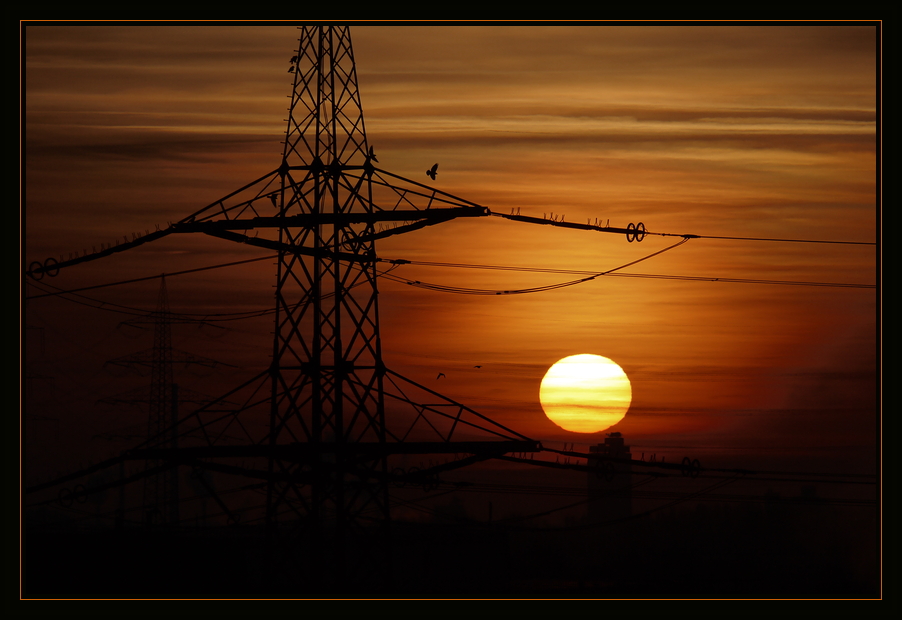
pixel 327 371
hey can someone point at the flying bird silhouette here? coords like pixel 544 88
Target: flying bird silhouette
pixel 431 172
pixel 373 155
pixel 440 375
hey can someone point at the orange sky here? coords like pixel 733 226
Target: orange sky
pixel 721 131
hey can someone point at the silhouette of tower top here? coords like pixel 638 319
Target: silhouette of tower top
pixel 325 123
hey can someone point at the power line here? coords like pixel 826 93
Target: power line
pixel 144 279
pixel 591 275
pixel 535 289
pixel 742 280
pixel 98 304
pixel 827 241
pixel 651 276
pixel 637 232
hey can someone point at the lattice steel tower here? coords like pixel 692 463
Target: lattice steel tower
pixel 335 415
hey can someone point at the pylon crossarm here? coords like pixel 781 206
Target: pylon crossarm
pixel 491 426
pixel 455 419
pixel 633 232
pixel 289 248
pixel 218 208
pixel 422 190
pixel 227 219
pixel 341 219
pixel 51 266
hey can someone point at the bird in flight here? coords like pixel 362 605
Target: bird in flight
pixel 440 375
pixel 432 171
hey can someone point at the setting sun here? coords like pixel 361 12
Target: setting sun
pixel 585 393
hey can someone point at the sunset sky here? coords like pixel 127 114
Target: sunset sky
pixel 720 131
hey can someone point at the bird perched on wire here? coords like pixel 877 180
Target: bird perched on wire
pixel 432 171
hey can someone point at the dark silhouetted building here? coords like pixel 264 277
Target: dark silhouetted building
pixel 610 480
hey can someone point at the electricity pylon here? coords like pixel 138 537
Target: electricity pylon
pixel 161 483
pixel 335 414
pixel 331 395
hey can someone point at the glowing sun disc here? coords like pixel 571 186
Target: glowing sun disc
pixel 585 393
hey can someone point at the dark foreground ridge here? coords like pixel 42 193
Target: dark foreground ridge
pixel 712 551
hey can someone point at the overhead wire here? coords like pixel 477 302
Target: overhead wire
pixel 145 278
pixel 534 289
pixel 627 275
pixel 779 240
pixel 590 275
pixel 98 304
